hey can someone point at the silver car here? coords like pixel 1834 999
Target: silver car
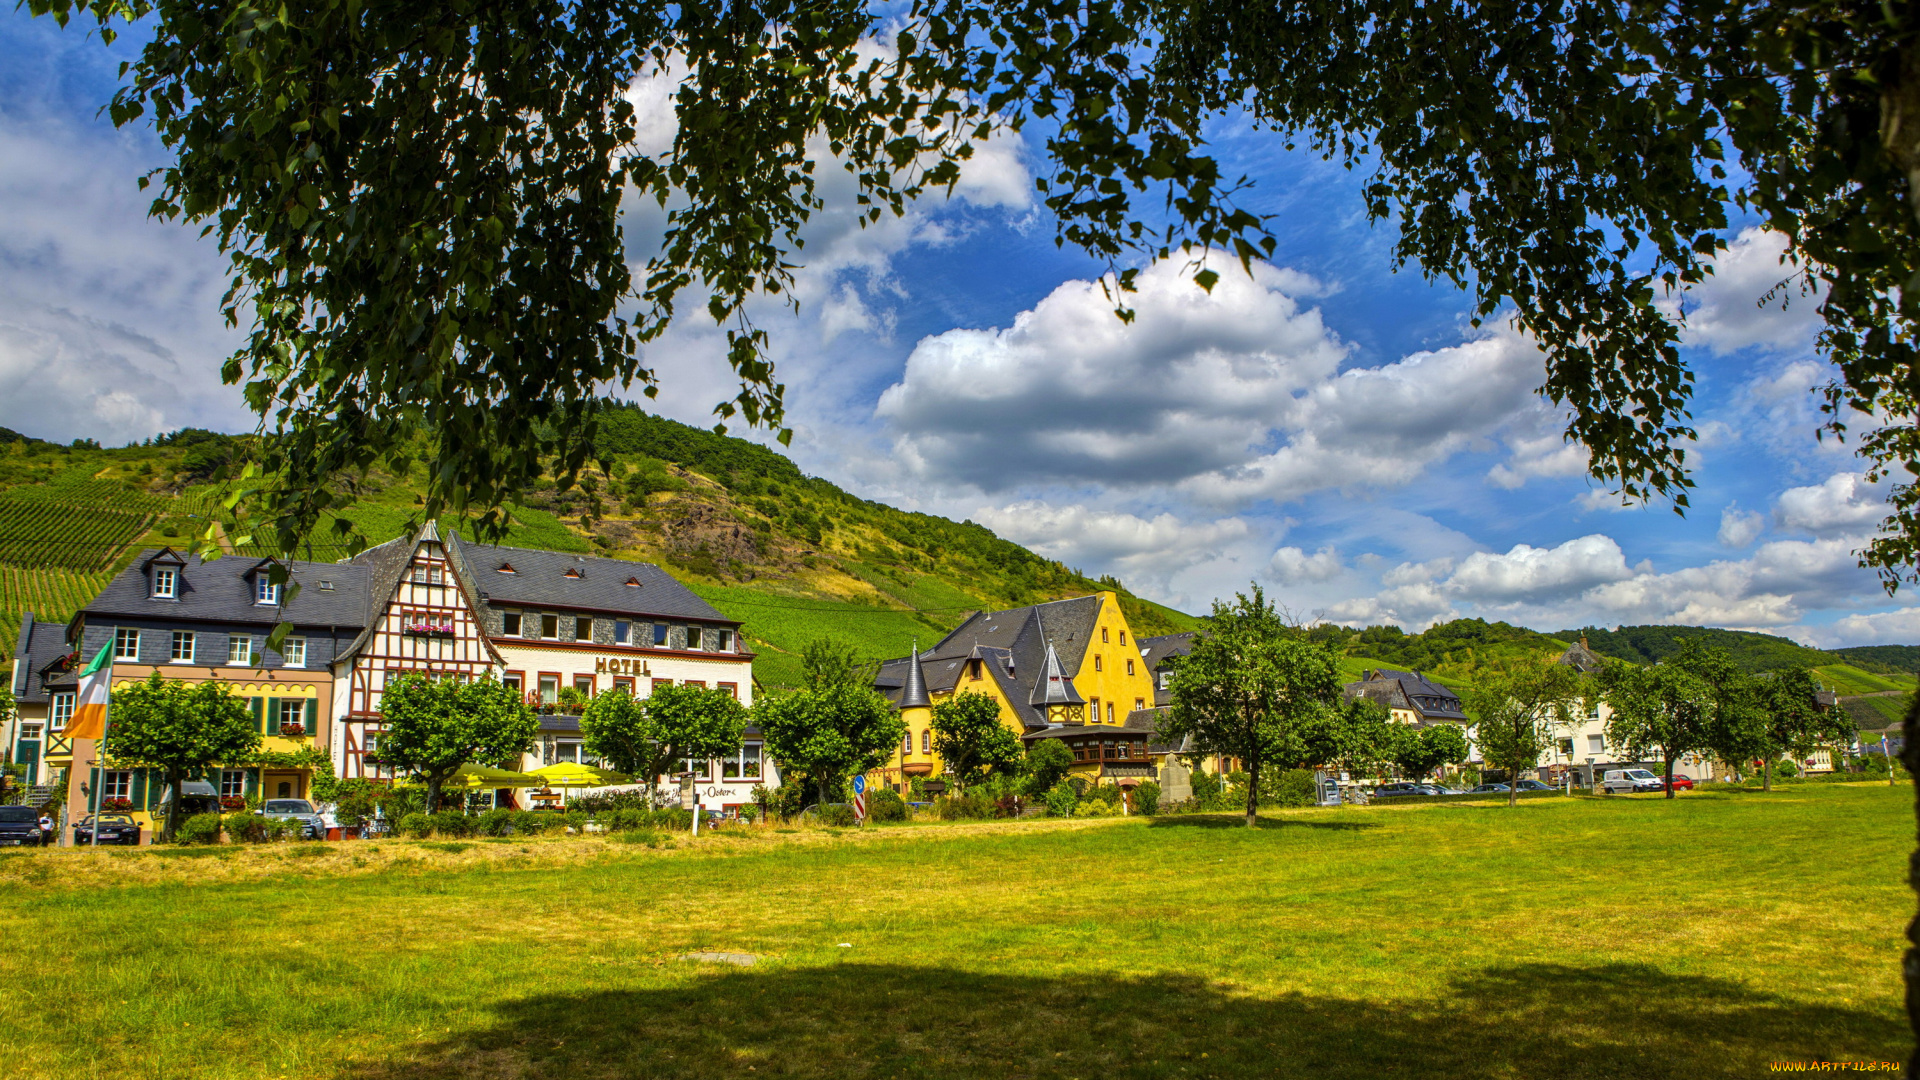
pixel 1629 781
pixel 295 810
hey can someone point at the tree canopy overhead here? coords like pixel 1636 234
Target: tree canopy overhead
pixel 423 207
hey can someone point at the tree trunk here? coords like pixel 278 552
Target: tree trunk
pixel 173 807
pixel 1766 775
pixel 1513 788
pixel 1910 964
pixel 1253 790
pixel 1668 760
pixel 433 792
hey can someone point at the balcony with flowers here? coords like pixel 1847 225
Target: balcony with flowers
pixel 428 628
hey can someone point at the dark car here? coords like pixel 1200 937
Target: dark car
pixel 1489 789
pixel 1533 785
pixel 114 829
pixel 1404 789
pixel 19 825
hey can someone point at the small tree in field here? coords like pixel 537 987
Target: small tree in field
pixel 434 726
pixel 970 739
pixel 177 728
pixel 645 738
pixel 1047 763
pixel 1793 723
pixel 1519 712
pixel 1250 688
pixel 1353 737
pixel 829 734
pixel 1418 751
pixel 1664 709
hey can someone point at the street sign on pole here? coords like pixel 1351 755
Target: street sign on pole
pixel 860 799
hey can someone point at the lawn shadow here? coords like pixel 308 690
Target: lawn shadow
pixel 1239 821
pixel 875 1020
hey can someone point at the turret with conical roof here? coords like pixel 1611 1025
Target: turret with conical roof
pixel 914 694
pixel 1053 686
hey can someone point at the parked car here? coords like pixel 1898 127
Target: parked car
pixel 1683 783
pixel 19 825
pixel 1403 788
pixel 1489 789
pixel 1534 785
pixel 114 829
pixel 295 810
pixel 1629 781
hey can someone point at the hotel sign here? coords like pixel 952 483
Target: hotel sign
pixel 619 665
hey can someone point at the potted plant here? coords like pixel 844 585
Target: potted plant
pixel 232 803
pixel 116 804
pixel 293 728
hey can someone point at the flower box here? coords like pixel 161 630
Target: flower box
pixel 293 728
pixel 232 802
pixel 429 629
pixel 116 804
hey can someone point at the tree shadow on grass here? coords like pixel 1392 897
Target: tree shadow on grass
pixel 871 1021
pixel 1239 821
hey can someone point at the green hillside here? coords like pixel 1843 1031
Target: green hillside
pixel 1884 659
pixel 1652 644
pixel 792 557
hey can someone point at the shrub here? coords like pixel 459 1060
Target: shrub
pixel 576 820
pixel 416 825
pixel 1296 788
pixel 531 822
pixel 1061 799
pixel 245 828
pixel 1206 786
pixel 1146 798
pixel 962 807
pixel 886 805
pixel 750 814
pixel 613 800
pixel 672 817
pixel 839 815
pixel 496 822
pixel 281 829
pixel 1006 806
pixel 1094 808
pixel 622 820
pixel 1785 769
pixel 451 824
pixel 639 836
pixel 199 829
pixel 354 809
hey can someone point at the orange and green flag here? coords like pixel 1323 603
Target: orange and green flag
pixel 90 704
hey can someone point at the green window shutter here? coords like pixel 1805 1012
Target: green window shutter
pixel 313 720
pixel 258 705
pixel 251 785
pixel 137 795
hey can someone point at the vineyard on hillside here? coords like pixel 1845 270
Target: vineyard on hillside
pixel 52 595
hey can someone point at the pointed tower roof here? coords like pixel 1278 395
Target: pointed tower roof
pixel 1053 687
pixel 914 694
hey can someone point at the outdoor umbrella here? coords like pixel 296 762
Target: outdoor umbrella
pixel 480 776
pixel 570 774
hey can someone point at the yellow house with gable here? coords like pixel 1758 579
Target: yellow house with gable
pixel 1069 670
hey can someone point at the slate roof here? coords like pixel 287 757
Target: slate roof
pixel 1053 687
pixel 222 591
pixel 40 645
pixel 913 695
pixel 1409 690
pixel 1581 658
pixel 1155 650
pixel 1013 643
pixel 540 579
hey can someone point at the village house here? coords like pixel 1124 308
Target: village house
pixel 1068 670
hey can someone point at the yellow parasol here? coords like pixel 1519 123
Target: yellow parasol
pixel 480 776
pixel 571 774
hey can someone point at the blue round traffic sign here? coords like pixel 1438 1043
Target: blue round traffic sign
pixel 859 785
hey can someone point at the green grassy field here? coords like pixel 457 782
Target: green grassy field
pixel 1847 679
pixel 1704 936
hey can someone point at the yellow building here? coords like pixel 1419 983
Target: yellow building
pixel 1069 670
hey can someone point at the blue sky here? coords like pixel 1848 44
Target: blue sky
pixel 1328 427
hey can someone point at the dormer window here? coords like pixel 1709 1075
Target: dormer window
pixel 265 591
pixel 633 583
pixel 726 640
pixel 573 572
pixel 505 568
pixel 166 583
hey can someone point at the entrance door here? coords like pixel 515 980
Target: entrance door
pixel 283 785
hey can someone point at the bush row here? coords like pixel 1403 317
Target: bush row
pixel 453 824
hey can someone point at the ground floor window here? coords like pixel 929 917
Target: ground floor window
pixel 566 751
pixel 699 769
pixel 233 783
pixel 743 765
pixel 292 711
pixel 117 784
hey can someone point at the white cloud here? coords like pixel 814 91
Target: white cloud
pixel 1070 393
pixel 1539 449
pixel 1738 527
pixel 1730 310
pixel 1087 537
pixel 1898 627
pixel 1842 504
pixel 1531 573
pixel 1292 566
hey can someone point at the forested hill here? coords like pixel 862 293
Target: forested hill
pixel 791 556
pixel 1751 650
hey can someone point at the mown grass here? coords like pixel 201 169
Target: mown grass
pixel 1573 937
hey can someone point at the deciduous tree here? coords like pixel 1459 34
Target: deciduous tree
pixel 1418 751
pixel 1519 711
pixel 1250 688
pixel 178 728
pixel 1664 709
pixel 1047 763
pixel 644 738
pixel 433 726
pixel 832 734
pixel 970 739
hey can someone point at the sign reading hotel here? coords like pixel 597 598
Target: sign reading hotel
pixel 619 665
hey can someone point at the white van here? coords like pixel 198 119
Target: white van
pixel 1628 781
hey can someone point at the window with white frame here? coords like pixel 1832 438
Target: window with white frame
pixel 906 745
pixel 61 710
pixel 30 731
pixel 233 783
pixel 660 634
pixel 1165 679
pixel 550 627
pixel 293 711
pixel 166 582
pixel 743 764
pixel 510 623
pixel 293 652
pixel 116 784
pixel 726 641
pixel 698 767
pixel 182 647
pixel 582 628
pixel 1596 743
pixel 566 751
pixel 239 648
pixel 695 642
pixel 549 689
pixel 622 632
pixel 126 643
pixel 264 590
